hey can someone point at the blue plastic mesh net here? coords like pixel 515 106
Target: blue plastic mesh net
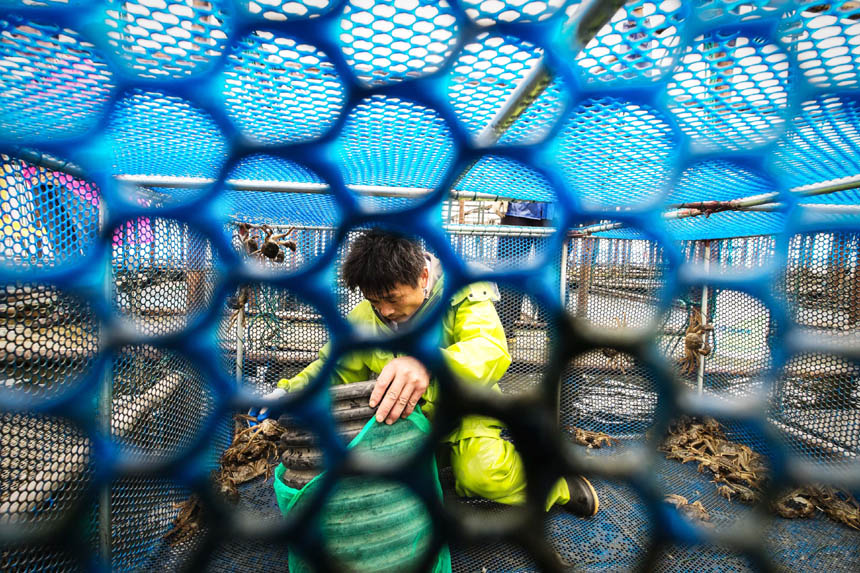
pixel 693 155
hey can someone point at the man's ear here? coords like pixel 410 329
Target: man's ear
pixel 425 277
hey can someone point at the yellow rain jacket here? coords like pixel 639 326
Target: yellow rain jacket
pixel 473 343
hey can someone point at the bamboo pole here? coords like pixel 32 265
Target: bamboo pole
pixel 515 231
pixel 104 414
pixel 700 376
pixel 240 343
pixel 811 190
pixel 488 230
pixel 105 517
pixel 266 355
pixel 563 272
pixel 593 25
pixel 752 202
pixel 533 84
pixel 854 299
pixel 584 277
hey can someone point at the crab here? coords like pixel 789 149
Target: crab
pixel 740 474
pixel 797 503
pixel 188 521
pixel 743 493
pixel 589 439
pixel 251 455
pixel 693 511
pixel 738 471
pixel 801 502
pixel 695 342
pixel 726 491
pixel 249 243
pixel 678 453
pixel 839 505
pixel 237 302
pixel 272 243
pixel 675 499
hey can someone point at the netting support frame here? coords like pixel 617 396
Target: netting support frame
pixel 563 270
pixel 854 309
pixel 240 343
pixel 105 538
pixel 173 182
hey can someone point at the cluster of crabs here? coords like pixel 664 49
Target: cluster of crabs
pixel 738 472
pixel 253 453
pixel 261 243
pixel 741 474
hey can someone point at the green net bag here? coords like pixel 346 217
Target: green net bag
pixel 370 524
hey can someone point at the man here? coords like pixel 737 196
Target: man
pixel 400 282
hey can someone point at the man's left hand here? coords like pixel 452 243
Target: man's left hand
pixel 398 388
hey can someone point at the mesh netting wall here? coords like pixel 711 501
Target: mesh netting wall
pixel 697 156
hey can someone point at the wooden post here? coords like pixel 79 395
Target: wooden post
pixel 854 304
pixel 837 268
pixel 700 377
pixel 240 342
pixel 584 276
pixel 563 272
pixel 105 401
pixel 154 230
pixel 134 261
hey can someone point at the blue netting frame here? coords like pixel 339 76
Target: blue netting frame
pixel 526 419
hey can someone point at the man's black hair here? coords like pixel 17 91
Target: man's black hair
pixel 379 260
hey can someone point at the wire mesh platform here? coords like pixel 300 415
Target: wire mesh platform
pixel 614 540
pixel 617 538
pixel 697 169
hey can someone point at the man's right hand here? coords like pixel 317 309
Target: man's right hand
pixel 398 388
pixel 261 414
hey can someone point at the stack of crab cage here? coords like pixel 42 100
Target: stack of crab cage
pixel 701 159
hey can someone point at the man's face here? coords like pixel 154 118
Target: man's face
pixel 401 302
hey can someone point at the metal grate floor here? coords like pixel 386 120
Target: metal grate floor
pixel 618 536
pixel 613 540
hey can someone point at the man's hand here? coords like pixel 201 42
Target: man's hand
pixel 405 380
pixel 263 413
